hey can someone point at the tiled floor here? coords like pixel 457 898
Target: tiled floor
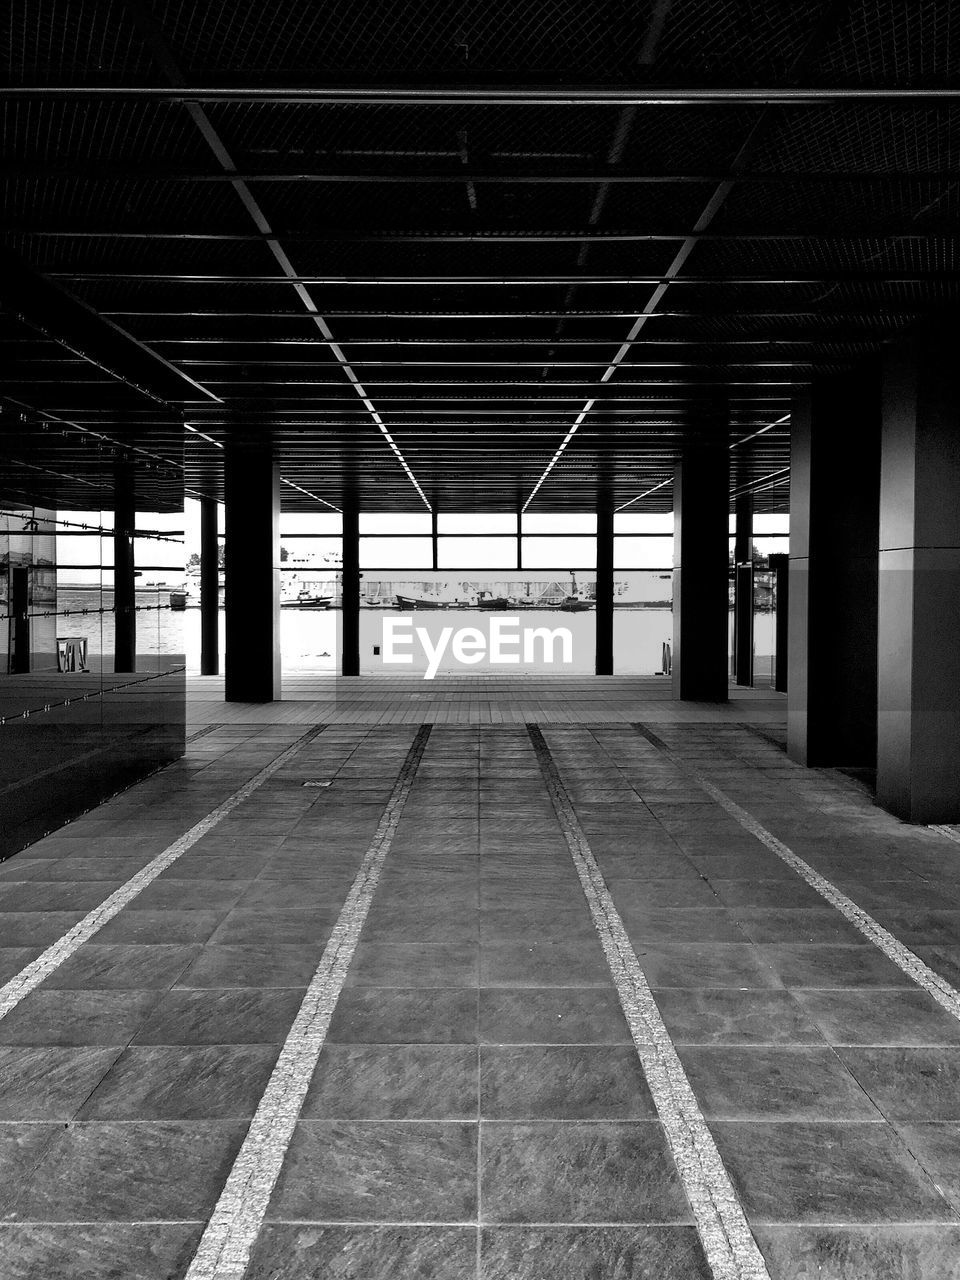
pixel 480 1106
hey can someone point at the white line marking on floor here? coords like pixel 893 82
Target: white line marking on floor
pixel 721 1224
pixel 905 959
pixel 226 1244
pixel 22 983
pixel 952 833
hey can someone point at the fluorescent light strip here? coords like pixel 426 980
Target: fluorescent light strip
pixel 646 493
pixel 289 483
pixel 762 432
pixel 556 457
pixel 736 444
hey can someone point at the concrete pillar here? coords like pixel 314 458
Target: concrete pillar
pixel 251 567
pixel 918 756
pixel 604 607
pixel 209 588
pixel 780 565
pixel 743 528
pixel 743 590
pixel 350 591
pixel 743 625
pixel 701 506
pixel 834 523
pixel 124 575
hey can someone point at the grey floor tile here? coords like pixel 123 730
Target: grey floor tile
pixel 261 964
pixel 782 891
pixel 608 1171
pixel 664 924
pixel 50 1083
pixel 13 959
pixel 21 1148
pixel 145 926
pixel 551 1015
pixel 239 1015
pixel 77 1017
pixel 797 924
pixel 394 1082
pixel 704 964
pixel 295 1252
pixel 294 895
pixel 541 964
pixel 130 1172
pixel 908 1083
pixel 274 926
pixel 176 894
pixel 906 1017
pixel 563 1082
pixel 824 966
pixel 589 1253
pixel 731 1016
pixel 415 964
pixel 826 1172
pixel 859 1253
pixel 97 1251
pixel 756 1083
pixel 60 895
pixel 97 966
pixel 183 1082
pixel 35 928
pixel 343 1171
pixel 396 1015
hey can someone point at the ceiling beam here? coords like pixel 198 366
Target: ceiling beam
pixel 152 35
pixel 504 278
pixel 475 235
pixel 358 91
pixel 824 22
pixel 559 173
pixel 56 315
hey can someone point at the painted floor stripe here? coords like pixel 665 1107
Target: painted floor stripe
pixel 906 960
pixel 226 1244
pixel 952 833
pixel 721 1224
pixel 22 983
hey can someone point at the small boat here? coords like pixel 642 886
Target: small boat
pixel 490 603
pixel 573 601
pixel 307 600
pixel 414 602
pixel 178 600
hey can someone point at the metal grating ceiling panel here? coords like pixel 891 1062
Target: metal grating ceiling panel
pixel 486 281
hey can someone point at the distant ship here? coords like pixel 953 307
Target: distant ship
pixel 488 603
pixel 575 604
pixel 419 600
pixel 307 600
pixel 575 601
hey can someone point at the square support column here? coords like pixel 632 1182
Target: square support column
pixel 701 506
pixel 124 574
pixel 209 587
pixel 604 592
pixel 918 755
pixel 743 590
pixel 780 564
pixel 834 529
pixel 251 567
pixel 350 591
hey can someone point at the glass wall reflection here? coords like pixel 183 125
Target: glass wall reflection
pixel 74 728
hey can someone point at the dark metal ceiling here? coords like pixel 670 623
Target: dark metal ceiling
pixel 476 255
